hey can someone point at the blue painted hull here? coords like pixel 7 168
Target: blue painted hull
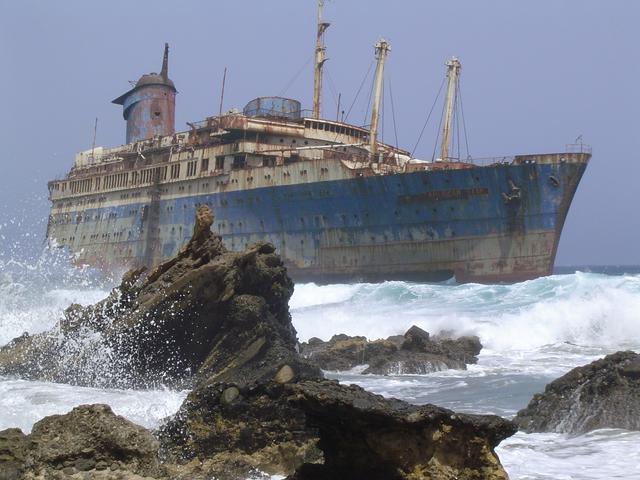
pixel 493 223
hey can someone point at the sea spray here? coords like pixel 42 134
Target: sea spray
pixel 585 309
pixel 533 332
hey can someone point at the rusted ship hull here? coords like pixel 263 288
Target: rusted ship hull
pixel 496 223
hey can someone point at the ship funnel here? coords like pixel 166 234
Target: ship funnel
pixel 149 107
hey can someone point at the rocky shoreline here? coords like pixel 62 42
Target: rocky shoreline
pixel 602 394
pixel 219 322
pixel 414 353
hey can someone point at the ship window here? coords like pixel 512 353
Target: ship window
pixel 239 161
pixel 293 158
pixel 191 168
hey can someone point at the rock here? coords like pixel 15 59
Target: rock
pixel 602 394
pixel 416 339
pixel 365 436
pixel 159 328
pixel 229 395
pixel 220 321
pixel 284 375
pixel 83 439
pixel 13 453
pixel 249 428
pixel 413 353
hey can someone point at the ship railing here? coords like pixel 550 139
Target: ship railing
pixel 577 148
pixel 484 161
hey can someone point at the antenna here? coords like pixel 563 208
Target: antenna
pixel 93 144
pixel 224 79
pixel 164 73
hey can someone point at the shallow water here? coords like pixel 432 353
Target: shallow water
pixel 532 332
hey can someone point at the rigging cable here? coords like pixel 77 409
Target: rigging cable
pixel 456 118
pixel 382 114
pixel 428 117
pixel 464 125
pixel 435 144
pixel 332 87
pixel 295 77
pixel 393 113
pixel 358 93
pixel 366 112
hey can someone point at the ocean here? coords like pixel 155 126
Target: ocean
pixel 532 333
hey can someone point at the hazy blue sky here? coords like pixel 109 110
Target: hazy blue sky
pixel 536 74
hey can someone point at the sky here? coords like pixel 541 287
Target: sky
pixel 535 76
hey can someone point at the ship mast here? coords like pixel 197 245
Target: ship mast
pixel 382 49
pixel 319 61
pixel 453 71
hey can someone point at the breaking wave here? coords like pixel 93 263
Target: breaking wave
pixel 583 308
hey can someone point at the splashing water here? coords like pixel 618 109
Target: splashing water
pixel 532 332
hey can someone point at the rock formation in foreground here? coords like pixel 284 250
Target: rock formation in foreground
pixel 221 320
pixel 368 437
pixel 90 440
pixel 415 352
pixel 205 307
pixel 602 394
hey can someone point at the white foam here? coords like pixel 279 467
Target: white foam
pixel 597 455
pixel 23 403
pixel 585 309
pixel 34 315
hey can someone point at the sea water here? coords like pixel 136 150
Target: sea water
pixel 532 333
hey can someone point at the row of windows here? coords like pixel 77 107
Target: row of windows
pixel 159 174
pixel 330 127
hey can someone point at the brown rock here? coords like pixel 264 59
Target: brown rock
pixel 284 375
pixel 87 437
pixel 602 394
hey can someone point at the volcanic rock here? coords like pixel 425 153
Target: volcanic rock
pixel 414 353
pixel 365 436
pixel 203 309
pixel 221 320
pixel 90 438
pixel 602 394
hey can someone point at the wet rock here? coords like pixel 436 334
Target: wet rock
pixel 413 353
pixel 229 395
pixel 249 427
pixel 81 440
pixel 365 436
pixel 284 375
pixel 13 453
pixel 221 320
pixel 415 339
pixel 160 327
pixel 602 394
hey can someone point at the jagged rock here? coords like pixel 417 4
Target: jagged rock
pixel 602 394
pixel 365 436
pixel 415 339
pixel 222 320
pixel 248 428
pixel 414 353
pixel 162 327
pixel 88 439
